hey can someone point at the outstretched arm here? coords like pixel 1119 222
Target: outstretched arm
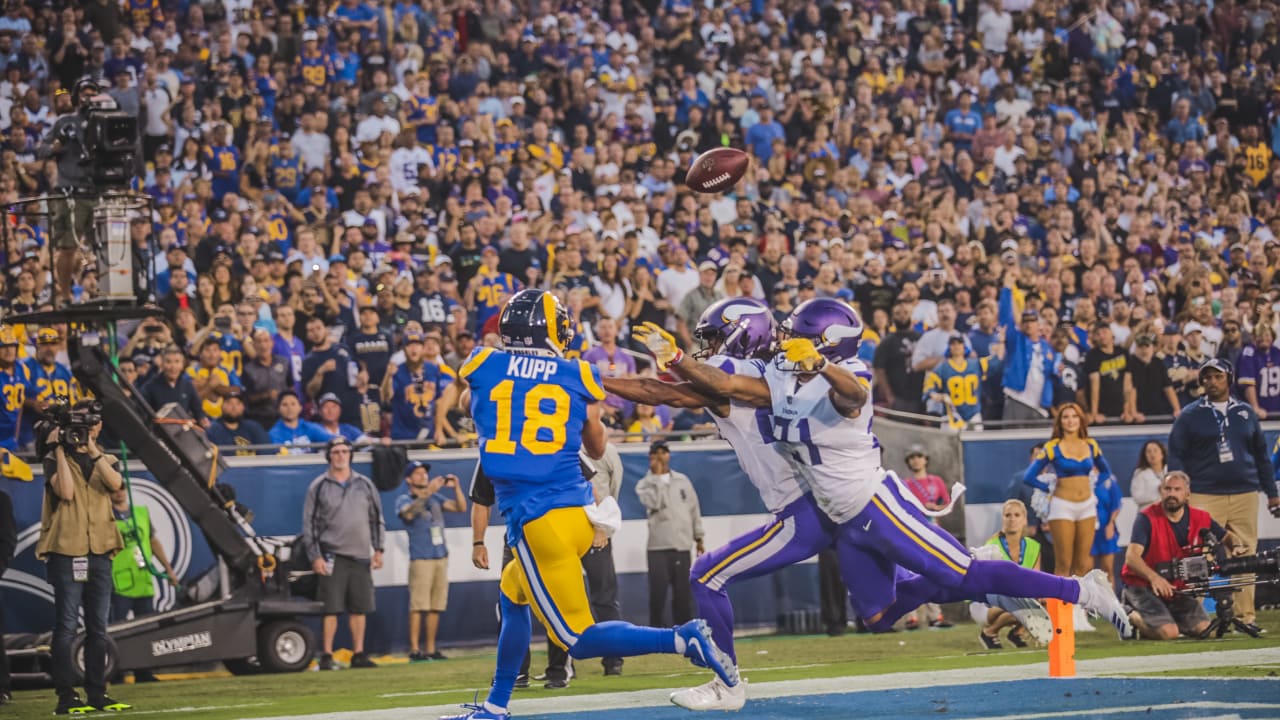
pixel 652 391
pixel 713 380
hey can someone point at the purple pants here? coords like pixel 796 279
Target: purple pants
pixel 893 559
pixel 797 533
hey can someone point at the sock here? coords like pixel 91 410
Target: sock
pixel 714 605
pixel 1000 577
pixel 513 642
pixel 616 638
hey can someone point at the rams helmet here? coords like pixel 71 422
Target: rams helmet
pixel 535 323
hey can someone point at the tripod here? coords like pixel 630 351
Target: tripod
pixel 1225 616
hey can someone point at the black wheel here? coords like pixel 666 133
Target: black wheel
pixel 285 646
pixel 243 666
pixel 77 658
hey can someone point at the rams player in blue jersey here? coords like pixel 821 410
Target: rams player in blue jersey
pixel 534 411
pixel 49 379
pixel 15 387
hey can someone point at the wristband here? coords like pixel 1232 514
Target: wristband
pixel 478 543
pixel 675 359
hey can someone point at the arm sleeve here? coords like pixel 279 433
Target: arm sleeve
pixel 310 539
pixel 1006 310
pixel 1100 462
pixel 377 526
pixel 1178 441
pixel 650 495
pixel 481 487
pixel 1032 475
pixel 1141 534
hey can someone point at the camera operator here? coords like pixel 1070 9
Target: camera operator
pixel 1217 440
pixel 71 216
pixel 1161 533
pixel 78 537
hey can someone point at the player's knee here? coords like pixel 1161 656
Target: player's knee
pixel 878 623
pixel 1167 632
pixel 698 574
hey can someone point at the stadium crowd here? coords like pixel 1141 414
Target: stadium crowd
pixel 1030 203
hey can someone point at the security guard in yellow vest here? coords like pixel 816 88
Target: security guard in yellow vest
pixel 131 567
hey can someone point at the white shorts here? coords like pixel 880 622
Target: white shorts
pixel 1060 509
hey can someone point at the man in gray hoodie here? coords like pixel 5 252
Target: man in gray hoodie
pixel 343 531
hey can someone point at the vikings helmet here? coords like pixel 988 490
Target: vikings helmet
pixel 535 323
pixel 833 326
pixel 740 327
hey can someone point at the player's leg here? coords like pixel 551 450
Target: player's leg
pixel 895 523
pixel 549 553
pixel 799 532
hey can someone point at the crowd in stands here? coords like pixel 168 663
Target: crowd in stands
pixel 1030 202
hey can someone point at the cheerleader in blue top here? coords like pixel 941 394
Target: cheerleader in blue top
pixel 1073 507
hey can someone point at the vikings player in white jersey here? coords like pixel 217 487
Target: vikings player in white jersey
pixel 738 335
pixel 819 396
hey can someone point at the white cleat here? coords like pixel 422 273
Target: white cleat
pixel 714 695
pixel 1030 613
pixel 1097 596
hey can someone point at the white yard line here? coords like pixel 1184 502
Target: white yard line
pixel 892 681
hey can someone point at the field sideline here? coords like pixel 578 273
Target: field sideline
pixel 766 660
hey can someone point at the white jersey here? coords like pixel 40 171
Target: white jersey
pixel 745 429
pixel 836 457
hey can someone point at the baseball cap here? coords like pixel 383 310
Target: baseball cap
pixel 1216 364
pixel 234 391
pixel 309 36
pixel 1030 315
pixel 413 337
pixel 442 259
pixel 218 215
pixel 327 397
pixel 916 449
pixel 47 336
pixel 657 445
pixel 414 465
pixel 1192 327
pixel 708 265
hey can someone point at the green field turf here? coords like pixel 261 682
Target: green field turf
pixel 763 658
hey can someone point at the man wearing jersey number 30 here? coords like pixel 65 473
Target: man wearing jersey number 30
pixel 534 411
pixel 892 556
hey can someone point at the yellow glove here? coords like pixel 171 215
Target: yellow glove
pixel 802 353
pixel 660 343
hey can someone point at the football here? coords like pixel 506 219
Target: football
pixel 717 170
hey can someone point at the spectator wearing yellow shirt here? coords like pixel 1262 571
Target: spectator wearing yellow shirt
pixel 212 381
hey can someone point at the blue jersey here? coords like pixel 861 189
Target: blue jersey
pixel 286 178
pixel 960 381
pixel 304 433
pixel 413 399
pixel 1260 368
pixel 492 291
pixel 224 163
pixel 16 386
pixel 529 414
pixel 232 352
pixel 46 384
pixel 424 109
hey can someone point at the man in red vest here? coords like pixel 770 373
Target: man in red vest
pixel 1160 534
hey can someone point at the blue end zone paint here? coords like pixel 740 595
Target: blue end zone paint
pixel 1075 698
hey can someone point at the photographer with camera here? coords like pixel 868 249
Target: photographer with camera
pixel 1217 440
pixel 78 538
pixel 71 216
pixel 1162 533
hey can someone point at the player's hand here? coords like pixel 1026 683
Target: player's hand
pixel 480 557
pixel 1162 588
pixel 660 343
pixel 377 560
pixel 600 539
pixel 319 567
pixel 802 352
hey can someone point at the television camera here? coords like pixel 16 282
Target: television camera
pixel 1208 572
pixel 72 421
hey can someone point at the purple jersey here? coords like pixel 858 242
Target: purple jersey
pixel 1260 368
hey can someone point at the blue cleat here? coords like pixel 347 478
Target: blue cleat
pixel 478 712
pixel 703 652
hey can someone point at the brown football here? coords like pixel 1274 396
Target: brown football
pixel 717 170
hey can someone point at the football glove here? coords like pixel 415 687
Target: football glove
pixel 802 353
pixel 660 344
